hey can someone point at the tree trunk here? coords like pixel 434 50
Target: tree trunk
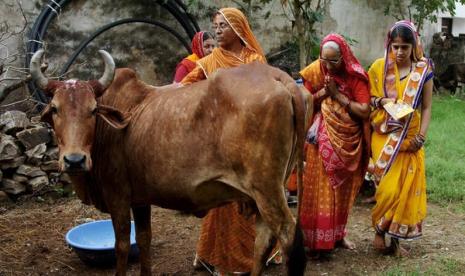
pixel 299 24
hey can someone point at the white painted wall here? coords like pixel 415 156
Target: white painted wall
pixel 458 26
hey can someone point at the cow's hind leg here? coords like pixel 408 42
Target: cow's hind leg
pixel 280 221
pixel 121 219
pixel 143 237
pixel 264 244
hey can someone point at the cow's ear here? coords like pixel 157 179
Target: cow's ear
pixel 113 116
pixel 46 114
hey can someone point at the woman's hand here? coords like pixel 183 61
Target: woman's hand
pixel 320 95
pixel 416 143
pixel 413 147
pixel 330 86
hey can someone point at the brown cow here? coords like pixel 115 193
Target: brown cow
pixel 233 137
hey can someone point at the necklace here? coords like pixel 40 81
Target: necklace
pixel 410 70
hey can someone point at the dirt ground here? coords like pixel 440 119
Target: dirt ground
pixel 32 243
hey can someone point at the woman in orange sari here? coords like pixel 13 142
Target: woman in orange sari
pixel 401 83
pixel 202 45
pixel 227 236
pixel 337 151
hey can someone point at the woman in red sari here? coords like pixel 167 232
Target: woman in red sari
pixel 202 45
pixel 337 149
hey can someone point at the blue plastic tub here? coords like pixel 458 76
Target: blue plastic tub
pixel 94 243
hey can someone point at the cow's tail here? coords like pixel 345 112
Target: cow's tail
pixel 297 258
pixel 297 156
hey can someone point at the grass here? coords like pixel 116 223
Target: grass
pixel 445 152
pixel 441 266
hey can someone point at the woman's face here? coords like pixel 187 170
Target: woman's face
pixel 401 49
pixel 331 59
pixel 208 46
pixel 225 35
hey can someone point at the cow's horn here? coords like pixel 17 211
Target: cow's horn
pixel 36 73
pixel 109 73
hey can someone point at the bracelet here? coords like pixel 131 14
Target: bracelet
pixel 375 102
pixel 378 102
pixel 420 139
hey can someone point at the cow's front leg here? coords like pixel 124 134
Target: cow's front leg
pixel 121 219
pixel 278 217
pixel 264 243
pixel 143 237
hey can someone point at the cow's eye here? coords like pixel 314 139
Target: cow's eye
pixel 94 111
pixel 54 109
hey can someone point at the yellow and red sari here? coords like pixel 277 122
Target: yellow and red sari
pixel 401 194
pixel 227 237
pixel 337 162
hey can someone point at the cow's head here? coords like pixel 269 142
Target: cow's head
pixel 73 110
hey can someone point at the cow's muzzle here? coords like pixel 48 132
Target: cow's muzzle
pixel 75 162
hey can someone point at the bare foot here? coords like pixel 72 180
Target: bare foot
pixel 397 250
pixel 347 244
pixel 402 252
pixel 379 243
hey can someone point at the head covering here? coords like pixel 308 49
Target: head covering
pixel 417 48
pixel 238 22
pixel 197 44
pixel 351 64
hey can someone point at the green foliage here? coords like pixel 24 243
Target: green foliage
pixel 419 10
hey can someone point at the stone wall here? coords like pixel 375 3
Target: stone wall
pixel 28 158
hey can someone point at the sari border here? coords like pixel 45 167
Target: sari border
pixel 203 69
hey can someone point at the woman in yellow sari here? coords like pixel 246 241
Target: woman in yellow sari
pixel 227 237
pixel 401 97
